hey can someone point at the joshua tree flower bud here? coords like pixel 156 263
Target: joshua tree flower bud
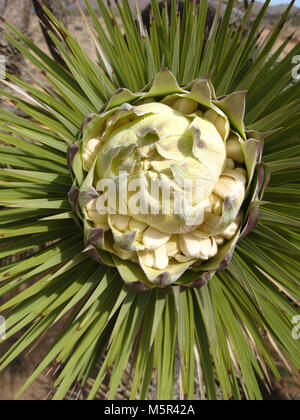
pixel 219 240
pixel 186 176
pixel 88 159
pixel 185 106
pixel 229 187
pixel 242 171
pixel 161 258
pixel 192 247
pixel 93 145
pixel 147 258
pixel 229 164
pixel 221 123
pixel 234 150
pixel 154 238
pixel 231 231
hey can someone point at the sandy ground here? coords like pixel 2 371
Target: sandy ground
pixel 12 379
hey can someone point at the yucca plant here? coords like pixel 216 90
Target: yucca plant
pixel 222 298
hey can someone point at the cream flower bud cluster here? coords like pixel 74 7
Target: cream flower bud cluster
pixel 156 249
pixel 160 247
pixel 92 148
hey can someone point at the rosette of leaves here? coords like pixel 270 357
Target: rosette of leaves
pixel 111 331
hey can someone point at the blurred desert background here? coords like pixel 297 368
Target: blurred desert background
pixel 16 374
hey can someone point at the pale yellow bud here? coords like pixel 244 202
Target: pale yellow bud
pixel 223 126
pixel 185 106
pixel 161 258
pixel 214 248
pixel 229 164
pixel 234 150
pixel 147 258
pixel 229 187
pixel 88 160
pixel 211 116
pixel 192 247
pixel 93 146
pixel 236 174
pixel 153 238
pixel 221 123
pixel 219 240
pixel 242 171
pixel 231 231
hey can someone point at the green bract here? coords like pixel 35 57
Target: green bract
pixel 165 181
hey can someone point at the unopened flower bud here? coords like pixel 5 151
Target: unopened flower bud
pixel 219 240
pixel 221 123
pixel 185 106
pixel 93 146
pixel 229 187
pixel 161 258
pixel 242 171
pixel 191 246
pixel 234 150
pixel 153 238
pixel 88 159
pixel 147 258
pixel 231 231
pixel 229 164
